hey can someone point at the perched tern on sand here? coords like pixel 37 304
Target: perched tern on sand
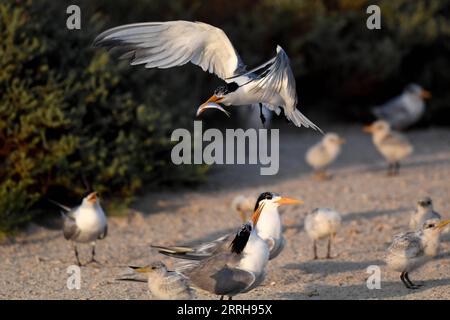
pixel 269 228
pixel 175 43
pixel 392 145
pixel 411 250
pixel 322 154
pixel 164 284
pixel 85 223
pixel 404 110
pixel 424 211
pixel 233 267
pixel 322 223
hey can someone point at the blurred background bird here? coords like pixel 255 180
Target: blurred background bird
pixel 85 223
pixel 322 154
pixel 162 283
pixel 411 250
pixel 243 205
pixel 424 211
pixel 393 146
pixel 405 110
pixel 322 223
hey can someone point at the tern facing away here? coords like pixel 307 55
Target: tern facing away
pixel 392 145
pixel 411 250
pixel 85 223
pixel 247 251
pixel 322 223
pixel 404 110
pixel 424 211
pixel 175 43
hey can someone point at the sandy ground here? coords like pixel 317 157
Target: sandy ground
pixel 374 207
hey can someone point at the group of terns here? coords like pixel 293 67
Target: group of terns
pixel 236 262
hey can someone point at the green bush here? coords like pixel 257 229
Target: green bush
pixel 67 117
pixel 71 113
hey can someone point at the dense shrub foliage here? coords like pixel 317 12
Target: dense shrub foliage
pixel 71 115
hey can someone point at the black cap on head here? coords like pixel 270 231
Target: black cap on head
pixel 262 196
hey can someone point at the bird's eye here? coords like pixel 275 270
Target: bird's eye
pixel 269 196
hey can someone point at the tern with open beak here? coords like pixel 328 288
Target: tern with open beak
pixel 85 223
pixel 404 110
pixel 411 250
pixel 392 145
pixel 269 228
pixel 175 43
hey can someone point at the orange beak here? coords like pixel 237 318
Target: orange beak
pixel 214 99
pixel 425 94
pixel 368 129
pixel 92 197
pixel 442 224
pixel 289 201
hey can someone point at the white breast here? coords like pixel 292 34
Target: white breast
pixel 255 255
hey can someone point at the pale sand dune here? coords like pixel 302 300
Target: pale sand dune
pixel 373 206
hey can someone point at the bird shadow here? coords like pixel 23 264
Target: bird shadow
pixel 330 267
pixel 389 289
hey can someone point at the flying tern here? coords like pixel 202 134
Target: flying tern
pixel 175 43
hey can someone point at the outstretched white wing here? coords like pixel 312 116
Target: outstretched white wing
pixel 274 78
pixel 174 43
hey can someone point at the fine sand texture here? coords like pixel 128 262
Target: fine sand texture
pixel 374 207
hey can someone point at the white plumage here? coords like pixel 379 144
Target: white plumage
pixel 174 43
pixel 411 250
pixel 404 110
pixel 322 223
pixel 393 146
pixel 322 154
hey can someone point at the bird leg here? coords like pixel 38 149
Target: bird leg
pixel 390 171
pixel 413 286
pixel 93 254
pixel 243 217
pixel 230 298
pixel 329 247
pixel 261 115
pixel 76 254
pixel 221 298
pixel 321 175
pixel 396 168
pixel 315 250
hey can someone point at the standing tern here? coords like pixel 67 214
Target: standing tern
pixel 269 228
pixel 404 110
pixel 233 267
pixel 85 223
pixel 424 211
pixel 411 250
pixel 322 154
pixel 392 145
pixel 322 223
pixel 175 43
pixel 162 283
